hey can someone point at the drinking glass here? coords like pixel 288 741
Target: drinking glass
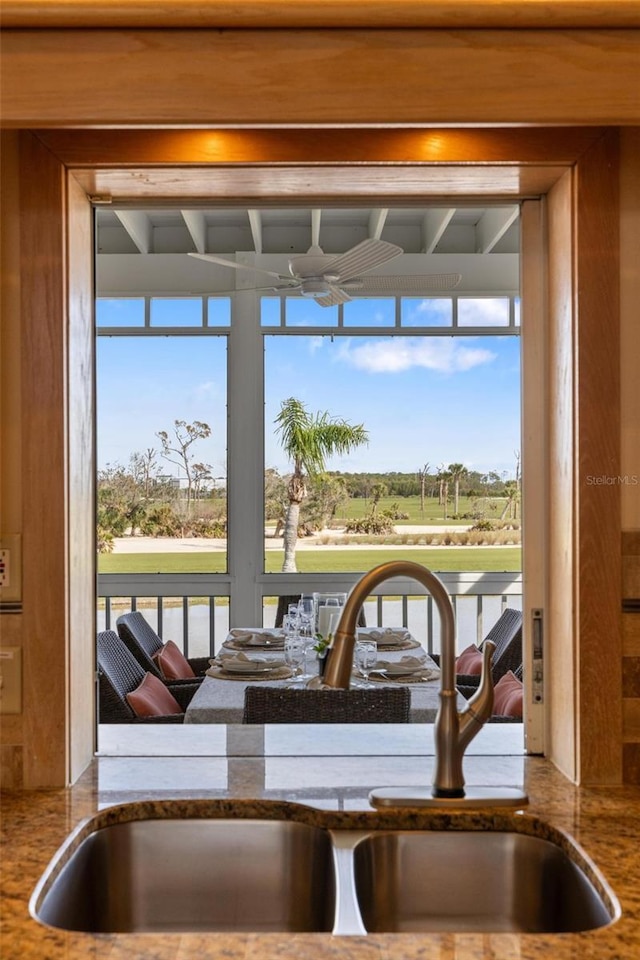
pixel 289 626
pixel 366 657
pixel 294 655
pixel 305 605
pixel 293 610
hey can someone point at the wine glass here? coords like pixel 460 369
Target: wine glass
pixel 305 605
pixel 366 657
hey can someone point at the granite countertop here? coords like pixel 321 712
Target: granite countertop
pixel 605 822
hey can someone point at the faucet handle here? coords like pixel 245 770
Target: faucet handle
pixel 488 650
pixel 481 703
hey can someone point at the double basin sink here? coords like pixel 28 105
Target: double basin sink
pixel 263 875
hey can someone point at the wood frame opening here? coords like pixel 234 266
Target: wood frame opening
pixel 61 170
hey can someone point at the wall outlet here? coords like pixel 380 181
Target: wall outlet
pixel 10 680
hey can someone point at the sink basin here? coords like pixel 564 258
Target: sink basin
pixel 472 881
pixel 183 873
pixel 194 875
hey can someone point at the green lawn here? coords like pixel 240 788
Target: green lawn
pixel 324 560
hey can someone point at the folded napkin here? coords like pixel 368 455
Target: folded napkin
pixel 244 663
pixel 242 657
pixel 255 638
pixel 386 635
pixel 408 664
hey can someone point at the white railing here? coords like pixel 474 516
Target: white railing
pixel 181 607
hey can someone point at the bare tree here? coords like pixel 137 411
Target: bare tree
pixel 143 466
pixel 422 477
pixel 177 449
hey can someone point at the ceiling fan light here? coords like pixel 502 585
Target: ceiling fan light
pixel 315 288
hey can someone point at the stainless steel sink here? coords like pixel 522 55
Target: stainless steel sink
pixel 195 875
pixel 259 875
pixel 472 881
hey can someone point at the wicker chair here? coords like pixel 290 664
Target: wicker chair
pixel 287 705
pixel 506 633
pixel 143 642
pixel 119 673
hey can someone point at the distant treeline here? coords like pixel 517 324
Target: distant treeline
pixel 472 484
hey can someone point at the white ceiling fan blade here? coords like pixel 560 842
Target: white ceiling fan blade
pixel 362 258
pixel 410 284
pixel 332 299
pixel 212 258
pixel 273 288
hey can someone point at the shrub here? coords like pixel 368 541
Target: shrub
pixel 484 525
pixel 161 521
pixel 373 524
pixel 206 527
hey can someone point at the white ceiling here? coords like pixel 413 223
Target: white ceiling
pixel 145 250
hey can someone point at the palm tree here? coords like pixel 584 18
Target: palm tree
pixel 308 440
pixel 456 471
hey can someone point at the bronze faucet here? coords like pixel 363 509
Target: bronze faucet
pixel 453 731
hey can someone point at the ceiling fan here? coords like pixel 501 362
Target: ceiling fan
pixel 329 279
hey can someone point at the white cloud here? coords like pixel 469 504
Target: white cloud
pixel 443 355
pixel 483 311
pixel 205 389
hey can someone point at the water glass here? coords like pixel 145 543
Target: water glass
pixel 294 655
pixel 290 626
pixel 366 657
pixel 293 610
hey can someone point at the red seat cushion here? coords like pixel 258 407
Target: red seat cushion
pixel 152 699
pixel 469 661
pixel 508 695
pixel 172 663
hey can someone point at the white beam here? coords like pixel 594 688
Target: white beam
pixel 196 224
pixel 376 223
pixel 316 217
pixel 255 221
pixel 434 224
pixel 492 226
pixel 138 226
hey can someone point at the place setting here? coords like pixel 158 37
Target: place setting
pixel 405 670
pixel 267 638
pixel 389 638
pixel 229 666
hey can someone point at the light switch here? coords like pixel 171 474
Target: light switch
pixel 10 680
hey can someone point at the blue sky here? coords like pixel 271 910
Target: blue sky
pixel 423 400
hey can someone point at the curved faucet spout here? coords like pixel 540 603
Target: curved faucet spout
pixel 453 731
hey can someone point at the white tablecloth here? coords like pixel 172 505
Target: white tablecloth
pixel 222 701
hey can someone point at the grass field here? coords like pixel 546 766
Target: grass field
pixel 325 560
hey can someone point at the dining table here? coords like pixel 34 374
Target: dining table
pixel 256 655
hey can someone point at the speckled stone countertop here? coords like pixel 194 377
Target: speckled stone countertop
pixel 605 822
